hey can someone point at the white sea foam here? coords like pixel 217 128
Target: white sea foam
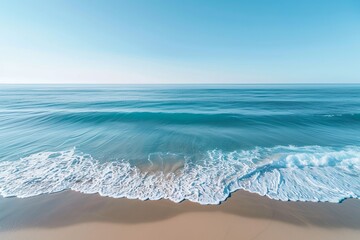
pixel 311 173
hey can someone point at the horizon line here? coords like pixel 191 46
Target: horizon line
pixel 349 83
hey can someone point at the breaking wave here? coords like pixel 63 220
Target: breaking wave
pixel 310 173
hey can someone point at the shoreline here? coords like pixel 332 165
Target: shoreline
pixel 243 214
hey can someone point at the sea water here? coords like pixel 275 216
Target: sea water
pixel 181 142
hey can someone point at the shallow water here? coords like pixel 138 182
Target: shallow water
pixel 195 142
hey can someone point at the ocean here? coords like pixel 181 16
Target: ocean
pixel 181 142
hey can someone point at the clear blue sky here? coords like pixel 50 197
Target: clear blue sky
pixel 184 41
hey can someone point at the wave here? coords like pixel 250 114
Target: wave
pixel 310 173
pixel 223 119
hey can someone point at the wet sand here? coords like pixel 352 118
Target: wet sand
pixel 71 215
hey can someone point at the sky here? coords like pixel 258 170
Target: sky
pixel 184 41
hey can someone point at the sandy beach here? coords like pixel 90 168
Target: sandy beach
pixel 71 215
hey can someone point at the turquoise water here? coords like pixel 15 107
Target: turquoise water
pixel 195 142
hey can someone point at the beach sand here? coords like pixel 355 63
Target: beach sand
pixel 71 215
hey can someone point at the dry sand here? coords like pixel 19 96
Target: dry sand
pixel 71 215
